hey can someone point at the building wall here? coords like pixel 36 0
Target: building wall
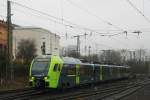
pixel 3 36
pixel 39 36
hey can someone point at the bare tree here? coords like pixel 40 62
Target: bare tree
pixel 110 57
pixel 26 50
pixel 72 53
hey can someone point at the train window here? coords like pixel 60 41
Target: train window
pixel 40 66
pixel 71 70
pixel 86 70
pixel 55 67
pixel 110 70
pixel 59 67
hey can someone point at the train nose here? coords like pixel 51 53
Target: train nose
pixel 39 83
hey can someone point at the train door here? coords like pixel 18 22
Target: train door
pixel 77 74
pixel 54 74
pixel 111 72
pixel 107 72
pixel 101 73
pixel 96 73
pixel 119 72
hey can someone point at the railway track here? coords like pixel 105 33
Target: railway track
pixel 83 94
pixel 20 94
pixel 79 90
pixel 99 92
pixel 106 94
pixel 14 91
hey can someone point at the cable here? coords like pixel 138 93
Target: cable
pixel 40 17
pixel 87 11
pixel 48 18
pixel 101 34
pixel 59 21
pixel 138 11
pixel 57 18
pixel 3 16
pixel 43 13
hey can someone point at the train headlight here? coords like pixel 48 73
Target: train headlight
pixel 31 78
pixel 45 78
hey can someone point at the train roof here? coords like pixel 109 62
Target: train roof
pixel 112 66
pixel 71 60
pixel 87 64
pixel 43 57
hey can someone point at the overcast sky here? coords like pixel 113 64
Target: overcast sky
pixel 117 12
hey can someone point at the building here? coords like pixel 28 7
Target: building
pixel 3 36
pixel 41 37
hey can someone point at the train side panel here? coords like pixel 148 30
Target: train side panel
pixel 97 73
pixel 68 76
pixel 86 73
pixel 54 72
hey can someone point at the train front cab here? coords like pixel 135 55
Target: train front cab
pixel 46 73
pixel 38 70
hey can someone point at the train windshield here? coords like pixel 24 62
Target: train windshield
pixel 40 67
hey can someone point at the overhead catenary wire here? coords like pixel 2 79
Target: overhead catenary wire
pixel 107 22
pixel 55 21
pixel 58 20
pixel 36 15
pixel 66 23
pixel 87 11
pixel 2 16
pixel 146 18
pixel 61 6
pixel 47 18
pixel 94 30
pixel 70 24
pixel 108 46
pixel 40 17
